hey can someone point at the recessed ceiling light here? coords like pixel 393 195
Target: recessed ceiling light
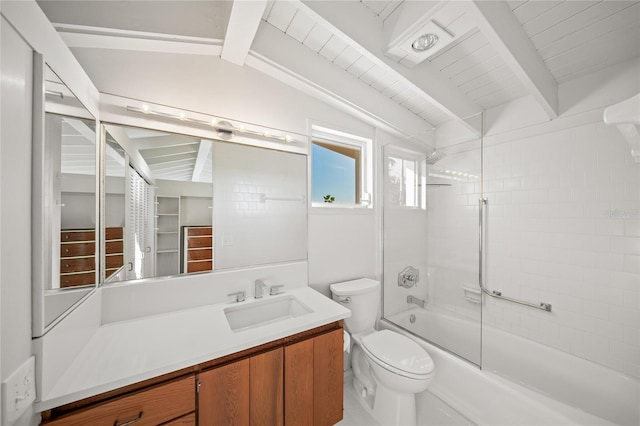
pixel 424 42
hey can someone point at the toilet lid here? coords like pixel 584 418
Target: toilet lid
pixel 398 352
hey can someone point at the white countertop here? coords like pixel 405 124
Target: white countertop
pixel 128 352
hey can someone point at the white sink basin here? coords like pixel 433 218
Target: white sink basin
pixel 263 312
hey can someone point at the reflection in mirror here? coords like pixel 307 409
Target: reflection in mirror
pixel 160 192
pixel 158 204
pixel 260 205
pixel 69 189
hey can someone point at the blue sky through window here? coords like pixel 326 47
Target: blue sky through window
pixel 332 174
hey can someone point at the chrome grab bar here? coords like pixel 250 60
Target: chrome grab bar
pixel 498 294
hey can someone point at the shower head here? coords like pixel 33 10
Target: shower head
pixel 434 157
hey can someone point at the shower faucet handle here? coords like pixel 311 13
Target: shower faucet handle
pixel 408 277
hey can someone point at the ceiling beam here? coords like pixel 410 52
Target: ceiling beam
pixel 108 38
pixel 499 25
pixel 364 31
pixel 289 61
pixel 283 58
pixel 241 30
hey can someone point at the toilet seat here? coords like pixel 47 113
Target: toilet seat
pixel 398 354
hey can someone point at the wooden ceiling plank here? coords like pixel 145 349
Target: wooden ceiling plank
pixel 347 57
pixel 284 58
pixel 281 14
pixel 317 38
pixel 300 26
pixel 555 16
pixel 621 20
pixel 579 21
pixel 533 9
pixel 352 22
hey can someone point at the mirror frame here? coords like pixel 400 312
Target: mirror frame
pixel 42 201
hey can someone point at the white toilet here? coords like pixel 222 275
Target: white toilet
pixel 389 368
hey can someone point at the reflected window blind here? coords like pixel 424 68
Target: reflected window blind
pixel 137 217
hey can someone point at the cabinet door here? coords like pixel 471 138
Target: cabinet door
pixel 298 383
pixel 328 377
pixel 224 395
pixel 267 389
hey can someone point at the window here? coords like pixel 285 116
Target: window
pixel 340 169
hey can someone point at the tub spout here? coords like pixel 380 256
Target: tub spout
pixel 416 301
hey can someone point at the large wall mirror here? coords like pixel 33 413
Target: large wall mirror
pixel 178 204
pixel 65 204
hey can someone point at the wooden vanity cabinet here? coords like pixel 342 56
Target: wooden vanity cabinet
pixel 245 392
pixel 313 380
pixel 300 383
pixel 293 381
pixel 170 402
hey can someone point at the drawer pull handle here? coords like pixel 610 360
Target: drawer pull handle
pixel 130 422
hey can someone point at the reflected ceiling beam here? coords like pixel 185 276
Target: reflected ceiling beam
pixel 164 141
pixel 201 159
pixel 135 158
pixel 284 58
pixel 160 160
pixel 364 31
pixel 81 127
pixel 500 26
pixel 168 151
pixel 241 30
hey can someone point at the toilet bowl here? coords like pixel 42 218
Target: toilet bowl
pixel 389 368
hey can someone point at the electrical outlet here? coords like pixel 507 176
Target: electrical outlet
pixel 18 392
pixel 227 240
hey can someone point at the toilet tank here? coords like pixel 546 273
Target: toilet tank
pixel 362 297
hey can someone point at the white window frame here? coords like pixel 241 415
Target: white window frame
pixel 347 140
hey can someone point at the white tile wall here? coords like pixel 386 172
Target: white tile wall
pixel 563 226
pixel 453 232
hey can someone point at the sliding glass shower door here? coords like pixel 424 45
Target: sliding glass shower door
pixel 431 241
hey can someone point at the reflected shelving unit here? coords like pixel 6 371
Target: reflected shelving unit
pixel 167 235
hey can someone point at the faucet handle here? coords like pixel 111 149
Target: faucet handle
pixel 239 296
pixel 275 289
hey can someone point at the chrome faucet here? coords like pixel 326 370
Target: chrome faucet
pixel 238 296
pixel 275 289
pixel 416 301
pixel 259 288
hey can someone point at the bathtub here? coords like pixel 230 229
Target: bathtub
pixel 537 385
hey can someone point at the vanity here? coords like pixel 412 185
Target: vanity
pixel 271 361
pixel 170 273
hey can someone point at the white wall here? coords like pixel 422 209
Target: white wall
pixel 208 85
pixel 15 220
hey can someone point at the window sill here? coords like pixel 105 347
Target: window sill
pixel 329 208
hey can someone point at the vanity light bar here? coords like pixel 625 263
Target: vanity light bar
pixel 221 126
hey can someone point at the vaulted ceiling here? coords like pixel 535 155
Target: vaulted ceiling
pixel 357 53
